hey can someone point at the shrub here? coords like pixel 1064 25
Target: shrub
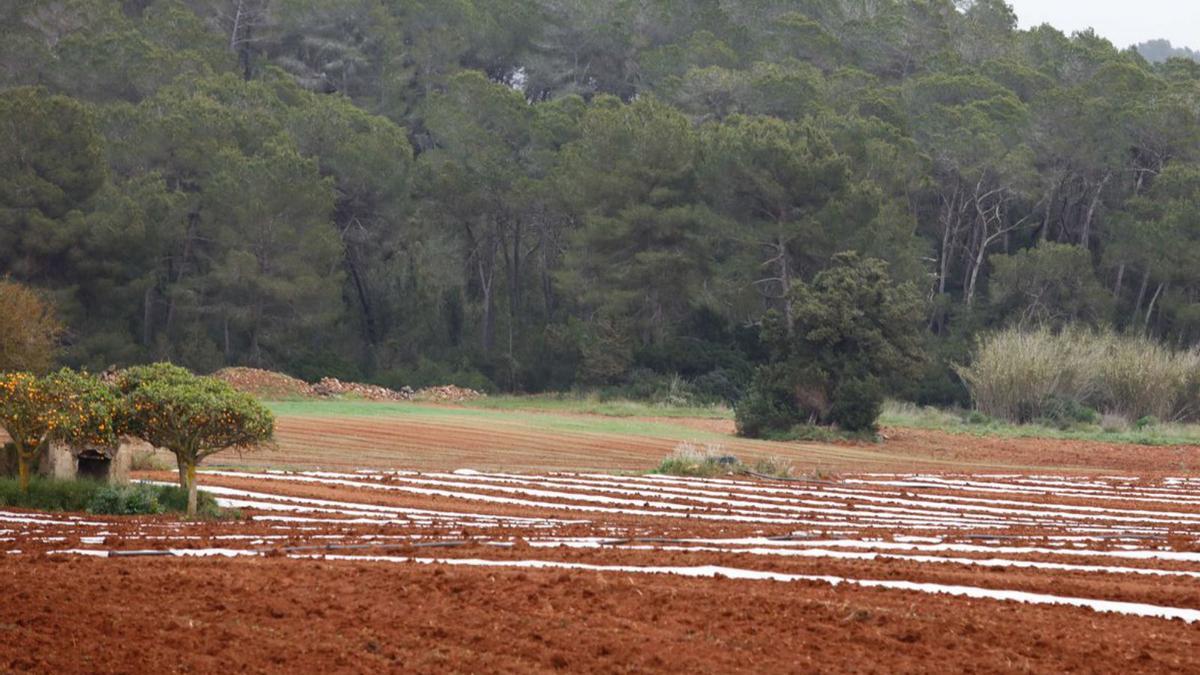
pixel 126 500
pixel 1140 377
pixel 690 460
pixel 978 418
pixel 852 327
pixel 175 500
pixel 721 386
pixel 857 404
pixel 1065 413
pixel 47 494
pixel 821 434
pixel 1066 377
pixel 777 467
pixel 770 405
pixel 1014 373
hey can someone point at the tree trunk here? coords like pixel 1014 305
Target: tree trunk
pixel 487 284
pixel 148 316
pixel 547 282
pixel 23 461
pixel 514 291
pixel 785 279
pixel 1044 235
pixel 488 336
pixel 1150 308
pixel 1120 279
pixel 183 482
pixel 975 271
pixel 1085 238
pixel 1137 307
pixel 193 220
pixel 191 489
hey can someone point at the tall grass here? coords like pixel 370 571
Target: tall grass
pixel 1022 376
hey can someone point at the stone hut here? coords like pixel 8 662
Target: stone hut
pixel 106 465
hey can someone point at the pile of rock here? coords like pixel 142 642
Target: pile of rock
pixel 270 385
pixel 448 394
pixel 265 384
pixel 331 387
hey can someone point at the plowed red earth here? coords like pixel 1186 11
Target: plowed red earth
pixel 586 572
pixel 495 443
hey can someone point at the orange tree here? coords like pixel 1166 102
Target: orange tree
pixel 193 417
pixel 74 408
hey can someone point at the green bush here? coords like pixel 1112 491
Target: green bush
pixel 46 494
pixel 857 404
pixel 721 386
pixel 174 499
pixel 1064 413
pixel 770 405
pixel 815 433
pixel 126 500
pixel 977 418
pixel 689 460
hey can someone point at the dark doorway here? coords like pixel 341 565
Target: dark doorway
pixel 94 465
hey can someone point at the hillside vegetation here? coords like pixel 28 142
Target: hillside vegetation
pixel 532 195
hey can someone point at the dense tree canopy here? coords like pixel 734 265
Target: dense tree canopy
pixel 192 417
pixel 29 339
pixel 532 194
pixel 67 407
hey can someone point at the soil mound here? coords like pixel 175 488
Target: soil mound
pixel 265 383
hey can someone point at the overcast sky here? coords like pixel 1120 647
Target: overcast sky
pixel 1124 22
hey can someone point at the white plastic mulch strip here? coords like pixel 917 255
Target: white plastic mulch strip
pixel 177 552
pixel 29 518
pixel 860 517
pixel 904 484
pixel 276 502
pixel 694 499
pixel 1130 554
pixel 712 571
pixel 929 506
pixel 675 497
pixel 872 556
pixel 513 501
pixel 1169 492
pixel 937 482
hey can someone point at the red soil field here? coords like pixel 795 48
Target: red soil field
pixel 202 616
pixel 506 572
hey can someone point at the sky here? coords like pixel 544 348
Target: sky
pixel 1124 22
